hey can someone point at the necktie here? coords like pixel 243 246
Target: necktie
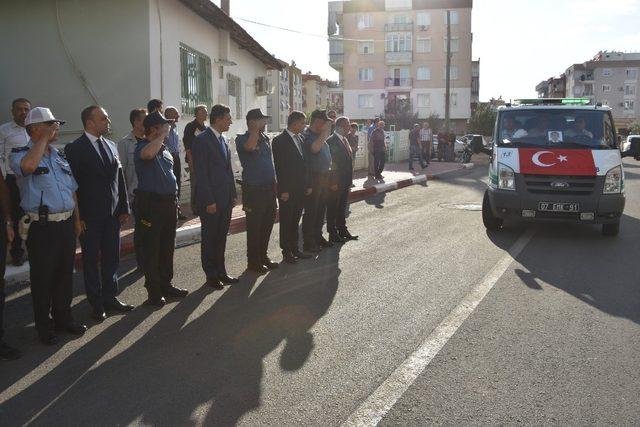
pixel 223 146
pixel 298 142
pixel 347 147
pixel 106 160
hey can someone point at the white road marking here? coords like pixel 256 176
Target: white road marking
pixel 380 402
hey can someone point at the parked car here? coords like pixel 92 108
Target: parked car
pixel 458 147
pixel 626 146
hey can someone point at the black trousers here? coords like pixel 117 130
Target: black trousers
pixel 101 245
pixel 177 171
pixel 259 204
pixel 52 248
pixel 315 206
pixel 214 230
pixel 155 232
pixel 290 214
pixel 3 266
pixel 16 250
pixel 378 161
pixel 337 210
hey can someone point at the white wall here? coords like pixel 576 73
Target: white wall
pixel 460 111
pixel 352 110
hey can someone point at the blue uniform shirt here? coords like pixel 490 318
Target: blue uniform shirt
pixel 257 165
pixel 173 142
pixel 318 162
pixel 52 181
pixel 155 175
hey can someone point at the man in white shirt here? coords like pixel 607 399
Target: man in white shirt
pixel 426 141
pixel 13 135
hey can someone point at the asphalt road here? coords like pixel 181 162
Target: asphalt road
pixel 554 341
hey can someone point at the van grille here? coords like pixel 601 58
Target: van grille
pixel 577 185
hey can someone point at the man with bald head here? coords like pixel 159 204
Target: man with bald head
pixel 104 206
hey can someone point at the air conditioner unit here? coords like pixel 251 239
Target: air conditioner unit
pixel 621 104
pixel 262 86
pixel 621 89
pixel 423 27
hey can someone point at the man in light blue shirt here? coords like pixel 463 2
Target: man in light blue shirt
pixel 47 190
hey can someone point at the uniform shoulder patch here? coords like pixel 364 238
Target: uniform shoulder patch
pixel 20 149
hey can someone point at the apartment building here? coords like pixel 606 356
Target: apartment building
pixel 295 87
pixel 554 87
pixel 279 100
pixel 393 52
pixel 610 78
pixel 315 92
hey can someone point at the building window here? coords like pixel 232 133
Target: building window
pixel 606 72
pixel 629 105
pixel 423 73
pixel 632 74
pixel 629 89
pixel 399 19
pixel 423 45
pixel 365 74
pixel 455 44
pixel 398 42
pixel 365 47
pixel 424 100
pixel 455 17
pixel 454 99
pixel 365 101
pixel 365 20
pixel 234 89
pixel 454 74
pixel 195 79
pixel 606 88
pixel 423 19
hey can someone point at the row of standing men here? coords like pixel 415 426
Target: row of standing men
pixel 82 193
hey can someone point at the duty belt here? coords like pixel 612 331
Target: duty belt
pixel 57 217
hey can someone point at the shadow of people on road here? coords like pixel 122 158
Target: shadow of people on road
pixel 202 356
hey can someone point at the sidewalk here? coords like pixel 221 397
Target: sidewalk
pixel 396 175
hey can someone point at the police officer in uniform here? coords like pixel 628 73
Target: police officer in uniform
pixel 156 210
pixel 47 190
pixel 258 190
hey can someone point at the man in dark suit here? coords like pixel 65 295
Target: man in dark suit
pixel 341 176
pixel 103 206
pixel 293 184
pixel 215 194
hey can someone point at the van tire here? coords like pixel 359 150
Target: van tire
pixel 491 222
pixel 611 229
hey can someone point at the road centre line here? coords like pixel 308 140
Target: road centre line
pixel 382 400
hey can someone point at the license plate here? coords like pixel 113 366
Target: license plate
pixel 558 207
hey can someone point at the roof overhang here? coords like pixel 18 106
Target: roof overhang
pixel 211 13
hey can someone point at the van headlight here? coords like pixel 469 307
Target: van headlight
pixel 613 181
pixel 506 178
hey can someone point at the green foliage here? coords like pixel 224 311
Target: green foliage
pixel 634 129
pixel 435 122
pixel 483 120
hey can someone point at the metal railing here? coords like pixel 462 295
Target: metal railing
pixel 398 82
pixel 402 57
pixel 404 26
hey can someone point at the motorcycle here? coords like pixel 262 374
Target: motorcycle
pixel 467 152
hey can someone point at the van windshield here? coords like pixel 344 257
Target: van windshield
pixel 560 128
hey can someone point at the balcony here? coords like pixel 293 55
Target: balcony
pixel 394 27
pixel 336 60
pixel 397 82
pixel 403 57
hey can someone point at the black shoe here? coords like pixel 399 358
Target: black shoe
pixel 72 328
pixel 215 283
pixel 334 238
pixel 348 236
pixel 271 265
pixel 48 338
pixel 158 302
pixel 18 261
pixel 9 353
pixel 225 278
pixel 258 268
pixel 98 315
pixel 172 291
pixel 325 243
pixel 117 305
pixel 289 258
pixel 301 255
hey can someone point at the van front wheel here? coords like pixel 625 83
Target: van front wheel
pixel 611 229
pixel 491 222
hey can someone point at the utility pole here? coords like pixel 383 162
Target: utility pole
pixel 447 92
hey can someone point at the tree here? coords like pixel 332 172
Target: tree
pixel 400 113
pixel 434 121
pixel 634 129
pixel 483 120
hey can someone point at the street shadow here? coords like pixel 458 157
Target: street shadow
pixel 376 200
pixel 579 260
pixel 203 357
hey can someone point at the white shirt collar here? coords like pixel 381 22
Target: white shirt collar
pixel 215 132
pixel 92 138
pixel 291 134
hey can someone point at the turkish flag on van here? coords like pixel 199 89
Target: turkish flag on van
pixel 542 161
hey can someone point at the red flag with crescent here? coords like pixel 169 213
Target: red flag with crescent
pixel 541 161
